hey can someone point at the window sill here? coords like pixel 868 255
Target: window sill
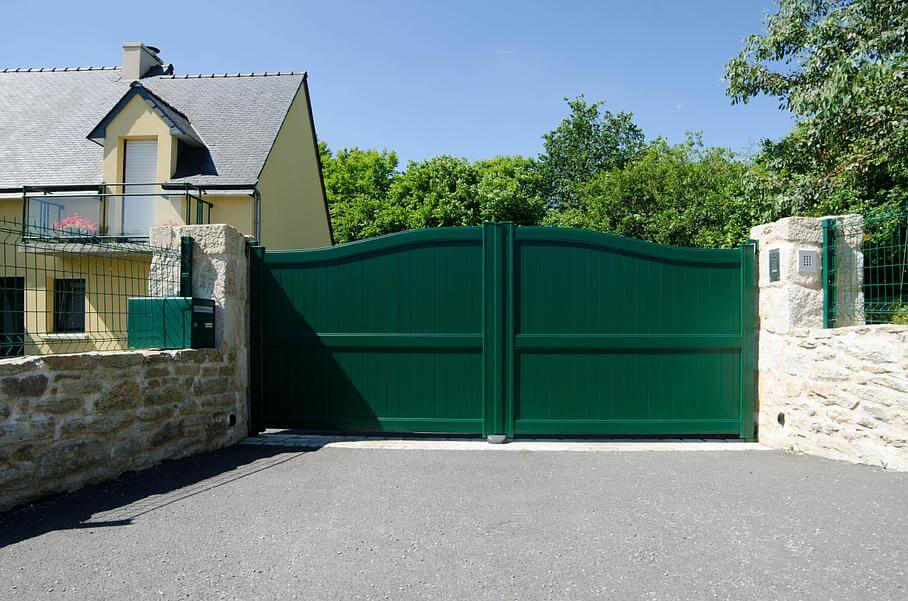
pixel 52 337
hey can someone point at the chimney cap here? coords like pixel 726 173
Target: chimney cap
pixel 148 48
pixel 139 60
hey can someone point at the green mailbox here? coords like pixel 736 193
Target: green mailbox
pixel 170 323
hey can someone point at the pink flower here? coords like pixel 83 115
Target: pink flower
pixel 77 224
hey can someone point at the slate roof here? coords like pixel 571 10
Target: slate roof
pixel 45 116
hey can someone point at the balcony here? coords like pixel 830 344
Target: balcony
pixel 123 212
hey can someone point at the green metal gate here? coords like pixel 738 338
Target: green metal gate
pixel 504 330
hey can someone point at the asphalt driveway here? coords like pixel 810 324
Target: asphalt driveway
pixel 334 523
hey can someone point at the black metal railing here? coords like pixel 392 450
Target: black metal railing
pixel 115 210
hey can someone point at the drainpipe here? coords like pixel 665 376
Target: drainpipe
pixel 257 218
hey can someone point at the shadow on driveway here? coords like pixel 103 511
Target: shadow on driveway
pixel 118 502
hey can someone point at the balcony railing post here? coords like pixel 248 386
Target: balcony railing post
pixel 186 266
pixel 102 202
pixel 188 215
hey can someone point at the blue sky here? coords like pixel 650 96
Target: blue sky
pixel 468 78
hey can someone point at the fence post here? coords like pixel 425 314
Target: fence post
pixel 828 273
pixel 186 266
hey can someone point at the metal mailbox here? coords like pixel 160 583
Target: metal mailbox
pixel 170 323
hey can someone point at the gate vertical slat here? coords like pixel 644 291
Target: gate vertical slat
pixel 510 330
pixel 748 310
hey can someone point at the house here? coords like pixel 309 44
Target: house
pixel 156 147
pixel 106 153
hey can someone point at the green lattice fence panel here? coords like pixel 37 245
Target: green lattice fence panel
pixel 866 268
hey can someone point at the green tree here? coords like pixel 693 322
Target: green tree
pixel 358 184
pixel 588 141
pixel 686 195
pixel 840 67
pixel 509 190
pixel 437 192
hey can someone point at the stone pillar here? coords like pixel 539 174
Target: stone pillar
pixel 790 306
pixel 795 300
pixel 220 271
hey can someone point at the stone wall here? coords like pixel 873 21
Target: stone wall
pixel 220 271
pixel 67 420
pixel 840 393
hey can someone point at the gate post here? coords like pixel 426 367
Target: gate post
pixel 256 402
pixel 497 330
pixel 748 389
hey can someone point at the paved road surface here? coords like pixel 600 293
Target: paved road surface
pixel 336 523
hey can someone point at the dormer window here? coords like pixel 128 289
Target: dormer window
pixel 179 124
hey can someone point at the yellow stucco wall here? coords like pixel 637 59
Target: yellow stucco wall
pixel 11 209
pixel 109 282
pixel 237 211
pixel 293 206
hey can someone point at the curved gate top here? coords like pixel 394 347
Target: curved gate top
pixel 505 330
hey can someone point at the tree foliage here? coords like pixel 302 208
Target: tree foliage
pixel 588 141
pixel 368 196
pixel 509 189
pixel 437 192
pixel 840 67
pixel 686 195
pixel 357 183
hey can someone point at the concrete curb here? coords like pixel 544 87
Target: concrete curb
pixel 379 443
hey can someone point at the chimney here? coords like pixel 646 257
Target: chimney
pixel 138 60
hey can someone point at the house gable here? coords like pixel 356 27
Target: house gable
pixel 294 207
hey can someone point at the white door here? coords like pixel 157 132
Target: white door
pixel 140 166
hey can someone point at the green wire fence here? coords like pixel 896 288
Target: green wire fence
pixel 866 261
pixel 66 290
